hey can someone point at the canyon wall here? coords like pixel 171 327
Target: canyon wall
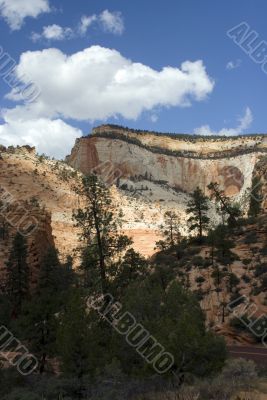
pixel 26 178
pixel 200 145
pixel 183 164
pixel 149 181
pixel 30 220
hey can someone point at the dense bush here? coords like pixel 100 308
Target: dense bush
pixel 251 238
pixel 260 269
pixel 246 278
pixel 200 279
pixel 240 371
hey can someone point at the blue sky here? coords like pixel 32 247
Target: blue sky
pixel 121 62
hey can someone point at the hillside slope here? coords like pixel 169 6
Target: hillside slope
pixel 218 282
pixel 25 176
pixel 43 190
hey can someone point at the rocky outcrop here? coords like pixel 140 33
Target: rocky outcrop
pixel 148 182
pixel 195 145
pixel 31 221
pixel 26 177
pixel 156 172
pixel 260 181
pixel 182 163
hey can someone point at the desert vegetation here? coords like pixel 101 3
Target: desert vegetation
pixel 82 356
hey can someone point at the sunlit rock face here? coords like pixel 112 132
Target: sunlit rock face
pixel 146 179
pixel 182 162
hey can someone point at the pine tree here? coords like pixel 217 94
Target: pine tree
pixel 156 307
pixel 170 230
pixel 255 197
pixel 99 225
pixel 229 212
pixel 38 324
pixel 222 243
pixel 68 277
pixel 132 268
pixel 49 277
pixel 4 226
pixel 198 208
pixel 17 285
pixel 73 337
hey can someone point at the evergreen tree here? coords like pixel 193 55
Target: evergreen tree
pixel 223 245
pixel 68 277
pixel 37 327
pixel 198 208
pixel 5 310
pixel 173 316
pixel 73 339
pixel 4 226
pixel 17 285
pixel 170 230
pixel 69 264
pixel 132 268
pixel 38 324
pixel 50 272
pixel 103 244
pixel 255 197
pixel 229 212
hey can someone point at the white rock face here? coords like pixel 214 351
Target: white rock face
pixel 152 181
pixel 233 173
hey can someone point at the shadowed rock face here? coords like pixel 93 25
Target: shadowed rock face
pixel 196 162
pixel 34 223
pixel 84 155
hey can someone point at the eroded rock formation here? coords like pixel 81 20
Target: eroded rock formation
pixel 182 162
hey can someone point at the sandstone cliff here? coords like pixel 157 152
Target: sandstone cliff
pixel 181 162
pixel 147 182
pixel 147 178
pixel 26 178
pixel 158 171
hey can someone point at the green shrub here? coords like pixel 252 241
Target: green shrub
pixel 246 278
pixel 264 283
pixel 251 238
pixel 200 294
pixel 238 324
pixel 263 251
pixel 200 279
pixel 236 296
pixel 22 394
pixel 260 269
pixel 198 261
pixel 240 371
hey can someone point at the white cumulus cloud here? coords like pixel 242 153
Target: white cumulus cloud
pixel 112 22
pixel 244 123
pixel 15 11
pixel 53 32
pixel 85 23
pixel 98 83
pixel 52 137
pixel 93 84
